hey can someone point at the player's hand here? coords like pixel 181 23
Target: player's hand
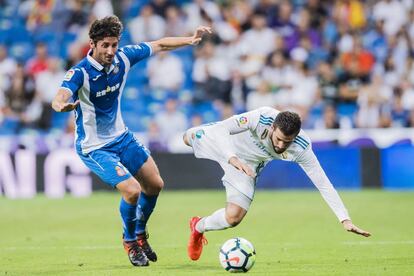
pixel 65 107
pixel 235 162
pixel 350 227
pixel 198 34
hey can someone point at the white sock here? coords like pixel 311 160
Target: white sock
pixel 216 221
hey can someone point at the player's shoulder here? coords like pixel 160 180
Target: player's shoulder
pixel 133 48
pixel 266 115
pixel 75 72
pixel 302 141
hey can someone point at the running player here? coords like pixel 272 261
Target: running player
pixel 243 145
pixel 93 89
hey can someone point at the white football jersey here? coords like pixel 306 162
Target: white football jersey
pixel 247 136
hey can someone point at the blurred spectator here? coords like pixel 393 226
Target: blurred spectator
pixel 364 60
pixel 147 26
pixel 375 41
pixel 371 101
pixel 39 62
pixel 329 118
pixel 19 96
pixel 260 97
pixel 155 141
pixel 201 12
pixel 317 13
pixel 170 121
pixel 212 75
pixel 351 81
pixel 7 68
pixel 259 41
pixel 302 31
pixel 160 7
pixel 175 22
pixel 38 13
pixel 349 14
pixel 102 8
pixel 284 25
pixel 399 115
pixel 47 84
pixel 410 121
pixel 196 120
pixel 393 13
pixel 76 16
pixel 328 88
pixel 165 71
pixel 277 72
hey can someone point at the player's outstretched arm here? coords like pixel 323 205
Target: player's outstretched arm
pixel 350 227
pixel 171 43
pixel 60 102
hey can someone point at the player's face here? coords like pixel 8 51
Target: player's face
pixel 280 141
pixel 104 50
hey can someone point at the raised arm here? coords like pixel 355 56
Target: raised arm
pixel 313 169
pixel 171 43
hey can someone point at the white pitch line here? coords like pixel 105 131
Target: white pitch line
pixel 378 242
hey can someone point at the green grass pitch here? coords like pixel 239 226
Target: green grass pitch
pixel 294 233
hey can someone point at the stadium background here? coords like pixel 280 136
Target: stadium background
pixel 345 66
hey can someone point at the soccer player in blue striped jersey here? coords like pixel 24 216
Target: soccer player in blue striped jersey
pixel 93 90
pixel 243 145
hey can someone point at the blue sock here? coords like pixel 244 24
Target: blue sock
pixel 146 205
pixel 129 221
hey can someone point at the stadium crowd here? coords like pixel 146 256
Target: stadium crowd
pixel 339 64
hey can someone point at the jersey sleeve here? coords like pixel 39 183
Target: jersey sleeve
pixel 138 52
pixel 242 122
pixel 310 164
pixel 73 80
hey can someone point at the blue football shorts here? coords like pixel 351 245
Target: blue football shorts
pixel 118 160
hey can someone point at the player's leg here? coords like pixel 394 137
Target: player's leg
pixel 130 191
pixel 236 208
pixel 139 162
pixel 106 164
pixel 152 184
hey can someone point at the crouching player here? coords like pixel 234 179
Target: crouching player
pixel 243 145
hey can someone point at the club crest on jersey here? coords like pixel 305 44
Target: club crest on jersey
pixel 69 74
pixel 120 171
pixel 242 120
pixel 264 134
pixel 116 69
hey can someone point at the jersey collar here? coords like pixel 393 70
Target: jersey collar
pixel 99 66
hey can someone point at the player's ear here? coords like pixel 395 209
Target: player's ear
pixel 92 44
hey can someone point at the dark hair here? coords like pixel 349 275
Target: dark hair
pixel 288 122
pixel 109 26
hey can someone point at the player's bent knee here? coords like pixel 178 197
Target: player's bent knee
pixel 234 220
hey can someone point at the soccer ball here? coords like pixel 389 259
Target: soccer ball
pixel 237 255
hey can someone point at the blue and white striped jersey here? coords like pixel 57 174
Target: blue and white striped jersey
pixel 99 89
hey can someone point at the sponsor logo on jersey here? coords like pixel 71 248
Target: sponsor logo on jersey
pixel 96 78
pixel 199 133
pixel 120 171
pixel 108 89
pixel 242 120
pixel 69 75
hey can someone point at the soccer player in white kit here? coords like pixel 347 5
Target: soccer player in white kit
pixel 243 145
